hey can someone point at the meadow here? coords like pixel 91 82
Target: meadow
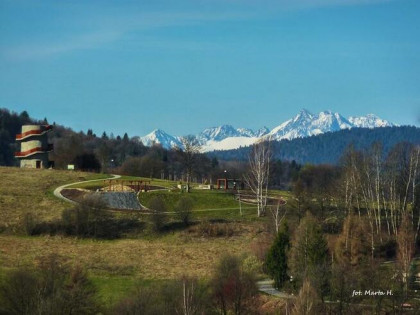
pixel 116 265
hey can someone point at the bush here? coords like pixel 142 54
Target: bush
pixel 19 293
pixel 182 296
pixel 87 162
pixel 158 217
pixel 52 288
pixel 232 286
pixel 209 229
pixel 28 223
pixel 89 220
pixel 387 249
pixel 252 265
pixel 183 210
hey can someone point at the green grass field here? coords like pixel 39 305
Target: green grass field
pixel 206 204
pixel 115 266
pixel 152 181
pixel 31 191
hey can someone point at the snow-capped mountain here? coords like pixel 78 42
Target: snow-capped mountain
pixel 219 133
pixel 304 124
pixel 159 136
pixel 261 132
pixel 369 121
pixel 227 131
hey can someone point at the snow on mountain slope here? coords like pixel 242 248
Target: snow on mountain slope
pixel 261 132
pixel 370 121
pixel 229 143
pixel 218 133
pixel 304 124
pixel 161 137
pixel 228 131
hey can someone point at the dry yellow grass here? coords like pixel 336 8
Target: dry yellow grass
pixel 162 257
pixel 165 257
pixel 30 190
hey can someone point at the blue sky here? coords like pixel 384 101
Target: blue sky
pixel 133 66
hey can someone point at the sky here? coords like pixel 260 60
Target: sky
pixel 185 65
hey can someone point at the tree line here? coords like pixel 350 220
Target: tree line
pixel 128 156
pixel 355 231
pixel 327 148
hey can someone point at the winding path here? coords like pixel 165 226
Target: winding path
pixel 57 191
pixel 267 287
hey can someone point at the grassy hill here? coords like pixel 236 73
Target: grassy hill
pixel 115 265
pixel 31 191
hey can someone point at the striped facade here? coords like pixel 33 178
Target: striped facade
pixel 34 146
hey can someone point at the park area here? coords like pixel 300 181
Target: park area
pixel 139 256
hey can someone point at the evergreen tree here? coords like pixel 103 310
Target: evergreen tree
pixel 104 136
pixel 309 255
pixel 276 262
pixel 125 137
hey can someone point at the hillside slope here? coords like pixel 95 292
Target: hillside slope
pixel 31 191
pixel 328 147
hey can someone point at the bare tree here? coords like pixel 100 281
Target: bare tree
pixel 193 296
pixel 406 248
pixel 307 301
pixel 258 175
pixel 189 155
pixel 278 213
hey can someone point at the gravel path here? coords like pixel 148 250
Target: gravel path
pixel 57 191
pixel 266 286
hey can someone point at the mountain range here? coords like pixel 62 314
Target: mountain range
pixel 304 124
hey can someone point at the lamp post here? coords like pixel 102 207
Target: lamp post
pixel 239 199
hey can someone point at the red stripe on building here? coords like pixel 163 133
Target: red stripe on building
pixel 33 132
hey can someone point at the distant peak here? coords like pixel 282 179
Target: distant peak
pixel 327 112
pixel 304 114
pixel 304 111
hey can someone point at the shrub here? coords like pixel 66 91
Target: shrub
pixel 28 223
pixel 19 292
pixel 84 221
pixel 232 286
pixel 182 296
pixel 252 265
pixel 209 229
pixel 158 217
pixel 52 288
pixel 183 210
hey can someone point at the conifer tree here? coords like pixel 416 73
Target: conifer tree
pixel 276 262
pixel 309 255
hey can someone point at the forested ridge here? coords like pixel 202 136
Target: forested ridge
pixel 100 152
pixel 124 154
pixel 327 148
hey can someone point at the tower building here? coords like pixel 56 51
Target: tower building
pixel 34 146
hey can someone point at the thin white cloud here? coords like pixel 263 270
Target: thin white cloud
pixel 108 29
pixel 47 49
pixel 105 28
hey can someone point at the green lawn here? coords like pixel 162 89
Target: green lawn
pixel 112 289
pixel 202 199
pixel 207 204
pixel 99 184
